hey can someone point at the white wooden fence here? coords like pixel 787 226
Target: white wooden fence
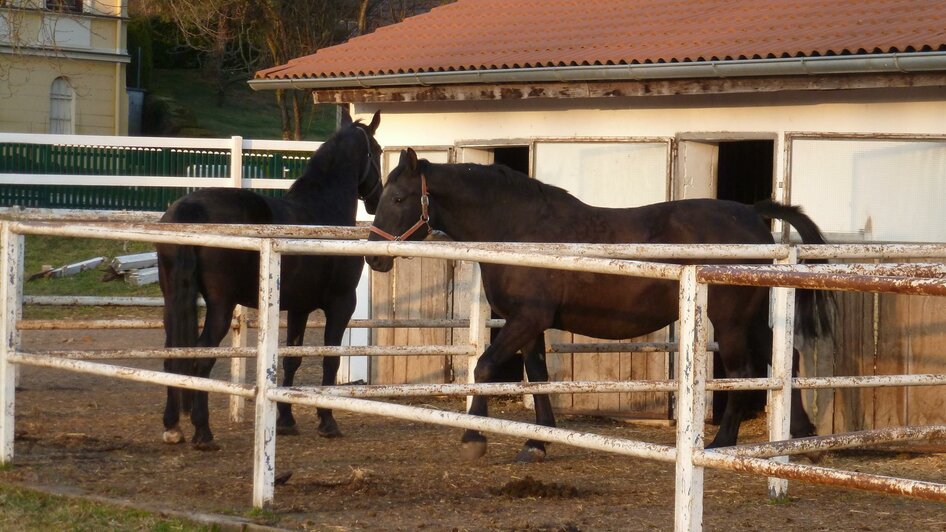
pixel 235 146
pixel 691 458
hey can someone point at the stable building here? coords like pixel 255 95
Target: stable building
pixel 838 107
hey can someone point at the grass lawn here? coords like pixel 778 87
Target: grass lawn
pixel 59 251
pixel 248 113
pixel 22 509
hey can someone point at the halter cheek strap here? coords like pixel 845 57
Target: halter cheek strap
pixel 423 221
pixel 369 164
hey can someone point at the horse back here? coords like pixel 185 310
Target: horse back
pixel 220 205
pixel 613 306
pixel 231 276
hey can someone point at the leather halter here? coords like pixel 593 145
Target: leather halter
pixel 369 165
pixel 424 217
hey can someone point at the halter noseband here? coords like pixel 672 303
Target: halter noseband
pixel 424 217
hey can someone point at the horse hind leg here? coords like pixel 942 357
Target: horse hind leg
pixel 216 325
pixel 172 408
pixel 734 353
pixel 537 370
pixel 295 334
pixel 801 425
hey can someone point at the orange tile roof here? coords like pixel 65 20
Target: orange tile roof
pixel 472 35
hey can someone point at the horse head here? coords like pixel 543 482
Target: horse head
pixel 402 210
pixel 369 183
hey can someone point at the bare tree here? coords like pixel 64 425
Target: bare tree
pixel 241 36
pixel 223 31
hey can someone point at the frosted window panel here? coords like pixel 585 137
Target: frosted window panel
pixel 875 190
pixel 604 174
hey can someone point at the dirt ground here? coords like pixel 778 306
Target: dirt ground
pixel 104 437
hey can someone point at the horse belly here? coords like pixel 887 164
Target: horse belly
pixel 228 274
pixel 613 307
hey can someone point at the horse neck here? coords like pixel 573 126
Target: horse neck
pixel 333 191
pixel 475 210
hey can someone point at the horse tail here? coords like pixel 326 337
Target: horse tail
pixel 181 288
pixel 180 320
pixel 814 307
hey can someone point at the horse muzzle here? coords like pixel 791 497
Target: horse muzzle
pixel 380 263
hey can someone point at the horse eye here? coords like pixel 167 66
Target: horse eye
pixel 398 199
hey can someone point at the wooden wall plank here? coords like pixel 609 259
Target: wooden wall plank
pixel 927 334
pixel 893 348
pixel 854 356
pixel 382 307
pixel 417 288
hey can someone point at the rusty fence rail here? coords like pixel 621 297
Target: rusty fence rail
pixel 690 386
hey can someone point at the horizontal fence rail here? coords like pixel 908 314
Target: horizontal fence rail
pixel 140 173
pixel 690 387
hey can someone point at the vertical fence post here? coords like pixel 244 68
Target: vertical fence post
pixel 238 364
pixel 236 163
pixel 691 402
pixel 11 297
pixel 479 332
pixel 264 450
pixel 780 400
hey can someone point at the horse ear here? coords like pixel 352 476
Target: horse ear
pixel 346 117
pixel 375 121
pixel 412 159
pixel 408 159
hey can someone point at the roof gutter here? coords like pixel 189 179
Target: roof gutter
pixel 800 66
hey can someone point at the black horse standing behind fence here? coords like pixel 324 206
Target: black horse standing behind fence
pixel 472 202
pixel 344 168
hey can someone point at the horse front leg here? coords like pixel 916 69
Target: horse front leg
pixel 538 371
pixel 515 334
pixel 295 333
pixel 337 317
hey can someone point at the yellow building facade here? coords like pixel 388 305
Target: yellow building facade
pixel 62 67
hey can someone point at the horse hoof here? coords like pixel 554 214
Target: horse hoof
pixel 473 450
pixel 206 446
pixel 330 432
pixel 173 436
pixel 291 430
pixel 530 455
pixel 328 428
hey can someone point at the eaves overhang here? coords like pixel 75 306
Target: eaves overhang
pixel 891 63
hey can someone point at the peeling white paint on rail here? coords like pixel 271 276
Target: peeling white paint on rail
pixel 460 251
pixel 161 237
pixel 822 475
pixel 134 374
pixel 638 449
pixel 836 441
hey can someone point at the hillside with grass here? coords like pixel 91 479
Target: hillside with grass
pixel 182 103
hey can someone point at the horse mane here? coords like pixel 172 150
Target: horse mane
pixel 317 169
pixel 500 176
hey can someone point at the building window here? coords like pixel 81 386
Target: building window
pixel 65 6
pixel 61 107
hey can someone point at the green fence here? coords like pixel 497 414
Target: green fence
pixel 123 161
